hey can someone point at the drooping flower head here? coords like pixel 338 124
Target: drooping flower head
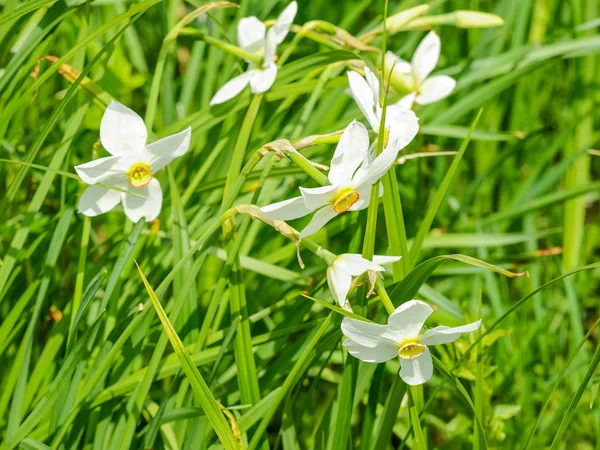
pixel 351 178
pixel 402 337
pixel 348 265
pixel 414 76
pixel 131 167
pixel 401 124
pixel 253 37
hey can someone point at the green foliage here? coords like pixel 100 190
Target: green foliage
pixel 229 342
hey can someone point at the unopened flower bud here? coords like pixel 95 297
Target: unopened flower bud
pixel 475 19
pixel 396 22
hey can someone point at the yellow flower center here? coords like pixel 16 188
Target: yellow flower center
pixel 139 174
pixel 410 348
pixel 344 199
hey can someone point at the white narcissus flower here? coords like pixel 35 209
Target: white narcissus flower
pixel 372 342
pixel 133 164
pixel 415 75
pixel 401 124
pixel 348 265
pixel 351 178
pixel 253 37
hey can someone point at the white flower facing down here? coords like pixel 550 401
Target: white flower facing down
pixel 253 37
pixel 372 342
pixel 351 178
pixel 415 75
pixel 348 265
pixel 132 165
pixel 401 124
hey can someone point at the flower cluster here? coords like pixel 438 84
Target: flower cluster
pixel 128 177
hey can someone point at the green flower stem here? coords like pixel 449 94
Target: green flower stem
pixel 305 31
pixel 195 34
pixel 383 296
pixel 307 166
pixel 415 398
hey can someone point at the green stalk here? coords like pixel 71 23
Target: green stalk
pixel 415 395
pixel 229 48
pixel 83 255
pixel 307 167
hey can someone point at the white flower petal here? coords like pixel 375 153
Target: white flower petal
pixel 418 370
pixel 370 342
pixel 351 151
pixel 286 210
pixel 232 88
pixel 97 200
pixel 426 57
pixel 318 221
pixel 101 169
pixel 382 259
pixel 380 353
pixel 443 335
pixel 262 80
pixel 270 49
pixel 317 197
pixel 355 264
pixel 407 101
pixel 251 34
pixel 403 125
pixel 147 206
pixel 408 319
pixel 165 150
pixel 339 283
pixel 371 153
pixel 399 65
pixel 284 22
pixel 373 83
pixel 122 130
pixel 371 173
pixel 363 96
pixel 435 88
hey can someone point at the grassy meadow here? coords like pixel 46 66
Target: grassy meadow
pixel 213 325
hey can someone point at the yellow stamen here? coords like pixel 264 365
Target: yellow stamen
pixel 139 174
pixel 344 200
pixel 410 348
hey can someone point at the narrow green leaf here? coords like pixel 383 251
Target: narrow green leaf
pixel 203 393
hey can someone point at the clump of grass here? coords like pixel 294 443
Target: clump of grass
pixel 226 334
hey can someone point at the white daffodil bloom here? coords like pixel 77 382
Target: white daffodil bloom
pixel 372 342
pixel 401 124
pixel 253 37
pixel 415 75
pixel 351 178
pixel 132 165
pixel 348 265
